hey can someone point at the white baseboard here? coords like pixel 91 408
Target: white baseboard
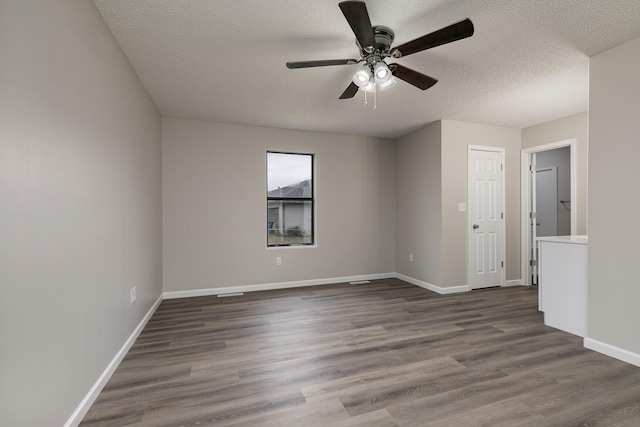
pixel 271 286
pixel 451 289
pixel 516 282
pixel 431 287
pixel 612 351
pixel 93 393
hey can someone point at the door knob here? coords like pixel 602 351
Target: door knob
pixel 475 226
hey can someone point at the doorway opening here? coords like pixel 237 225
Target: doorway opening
pixel 549 178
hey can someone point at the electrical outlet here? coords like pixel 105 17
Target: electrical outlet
pixel 278 260
pixel 133 295
pixel 411 257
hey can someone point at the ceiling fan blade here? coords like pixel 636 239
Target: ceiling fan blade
pixel 459 30
pixel 410 76
pixel 358 18
pixel 350 92
pixel 321 63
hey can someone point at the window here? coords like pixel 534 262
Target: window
pixel 290 202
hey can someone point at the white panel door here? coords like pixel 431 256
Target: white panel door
pixel 546 202
pixel 486 216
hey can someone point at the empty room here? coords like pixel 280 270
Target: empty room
pixel 298 213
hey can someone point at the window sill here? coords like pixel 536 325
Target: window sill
pixel 271 248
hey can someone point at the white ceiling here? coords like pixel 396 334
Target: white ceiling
pixel 224 60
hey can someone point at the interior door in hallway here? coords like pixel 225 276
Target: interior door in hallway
pixel 547 202
pixel 485 217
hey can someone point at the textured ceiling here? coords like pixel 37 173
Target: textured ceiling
pixel 224 61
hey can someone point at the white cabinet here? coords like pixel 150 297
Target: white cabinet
pixel 562 282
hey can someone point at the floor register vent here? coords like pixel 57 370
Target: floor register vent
pixel 233 294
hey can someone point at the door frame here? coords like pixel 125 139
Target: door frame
pixel 502 151
pixel 525 198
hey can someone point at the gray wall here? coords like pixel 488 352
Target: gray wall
pixel 456 137
pixel 571 127
pixel 614 198
pixel 432 180
pixel 80 185
pixel 215 209
pixel 419 204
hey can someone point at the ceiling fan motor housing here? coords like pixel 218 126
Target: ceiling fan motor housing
pixel 384 39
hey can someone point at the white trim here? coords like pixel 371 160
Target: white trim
pixel 525 196
pixel 431 287
pixel 93 393
pixel 525 161
pixel 503 153
pixel 612 351
pixel 516 282
pixel 287 247
pixel 485 148
pixel 271 286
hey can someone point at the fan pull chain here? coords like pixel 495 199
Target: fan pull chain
pixel 365 97
pixel 375 97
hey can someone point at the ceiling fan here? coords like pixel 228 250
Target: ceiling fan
pixel 375 42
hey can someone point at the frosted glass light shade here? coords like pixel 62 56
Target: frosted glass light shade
pixel 388 83
pixel 382 73
pixel 370 87
pixel 362 76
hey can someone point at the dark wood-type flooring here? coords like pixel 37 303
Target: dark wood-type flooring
pixel 381 354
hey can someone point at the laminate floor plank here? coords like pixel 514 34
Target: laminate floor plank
pixel 462 400
pixel 385 353
pixel 505 413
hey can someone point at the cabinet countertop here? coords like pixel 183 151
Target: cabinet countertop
pixel 576 240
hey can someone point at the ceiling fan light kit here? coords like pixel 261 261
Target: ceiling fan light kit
pixel 383 76
pixel 374 43
pixel 381 71
pixel 387 84
pixel 361 77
